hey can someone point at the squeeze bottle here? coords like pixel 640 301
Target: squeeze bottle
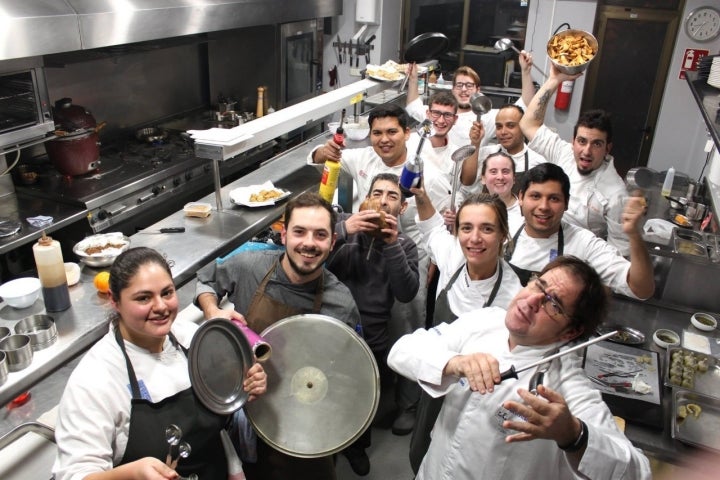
pixel 668 183
pixel 51 271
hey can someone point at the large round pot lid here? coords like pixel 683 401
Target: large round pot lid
pixel 425 47
pixel 323 387
pixel 219 358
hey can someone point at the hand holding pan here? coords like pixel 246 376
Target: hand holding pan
pixel 480 105
pixel 424 47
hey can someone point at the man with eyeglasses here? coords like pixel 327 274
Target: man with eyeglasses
pixel 549 419
pixel 466 83
pixel 544 197
pixel 597 191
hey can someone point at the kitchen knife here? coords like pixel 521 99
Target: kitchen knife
pixel 165 230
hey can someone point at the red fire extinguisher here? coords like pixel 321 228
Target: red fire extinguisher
pixel 564 94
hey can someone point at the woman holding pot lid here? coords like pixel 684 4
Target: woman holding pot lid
pixel 134 383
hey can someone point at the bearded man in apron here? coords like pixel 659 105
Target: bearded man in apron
pixel 267 286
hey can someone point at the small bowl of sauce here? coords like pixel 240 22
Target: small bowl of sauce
pixel 665 338
pixel 704 321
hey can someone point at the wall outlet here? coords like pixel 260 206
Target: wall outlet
pixel 355 72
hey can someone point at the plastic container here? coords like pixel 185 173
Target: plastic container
pixel 51 271
pixel 668 183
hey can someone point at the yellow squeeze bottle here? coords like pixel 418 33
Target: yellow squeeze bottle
pixel 329 180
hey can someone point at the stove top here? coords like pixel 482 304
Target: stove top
pixel 125 165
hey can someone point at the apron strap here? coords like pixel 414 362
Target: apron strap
pixel 496 287
pixel 527 163
pixel 134 386
pixel 261 288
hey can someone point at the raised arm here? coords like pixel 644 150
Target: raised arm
pixel 534 116
pixel 528 87
pixel 413 92
pixel 640 277
pixel 468 172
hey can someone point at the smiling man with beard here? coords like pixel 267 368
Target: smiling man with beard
pixel 267 286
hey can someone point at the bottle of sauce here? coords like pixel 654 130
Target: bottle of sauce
pixel 260 110
pixel 51 271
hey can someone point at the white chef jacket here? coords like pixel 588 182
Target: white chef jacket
pixel 93 421
pixel 459 134
pixel 465 294
pixel 534 253
pixel 597 199
pixel 467 442
pixel 363 164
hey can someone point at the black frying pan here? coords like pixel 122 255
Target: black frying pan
pixel 425 47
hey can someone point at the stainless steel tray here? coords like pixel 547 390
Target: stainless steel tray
pixel 701 431
pixel 707 383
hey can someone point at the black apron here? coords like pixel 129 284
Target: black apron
pixel 273 464
pixel 520 176
pixel 523 274
pixel 428 407
pixel 200 427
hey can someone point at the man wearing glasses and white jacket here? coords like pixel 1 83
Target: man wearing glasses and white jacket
pixel 466 83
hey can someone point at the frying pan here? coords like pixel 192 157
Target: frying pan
pixel 424 47
pixel 480 105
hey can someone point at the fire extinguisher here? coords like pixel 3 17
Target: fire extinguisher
pixel 564 94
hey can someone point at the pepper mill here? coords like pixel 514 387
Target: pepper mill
pixel 260 111
pixel 51 271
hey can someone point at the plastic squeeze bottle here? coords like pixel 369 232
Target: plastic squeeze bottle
pixel 51 271
pixel 668 183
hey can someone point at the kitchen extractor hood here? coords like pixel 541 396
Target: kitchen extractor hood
pixel 42 27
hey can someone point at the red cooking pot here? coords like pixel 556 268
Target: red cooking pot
pixel 76 150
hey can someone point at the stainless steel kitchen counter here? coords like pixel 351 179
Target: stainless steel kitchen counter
pixel 204 239
pixel 19 207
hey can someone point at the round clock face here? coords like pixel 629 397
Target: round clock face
pixel 703 24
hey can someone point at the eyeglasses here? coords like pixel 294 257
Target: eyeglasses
pixel 435 114
pixel 549 302
pixel 464 86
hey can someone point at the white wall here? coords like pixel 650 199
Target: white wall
pixel 386 43
pixel 680 133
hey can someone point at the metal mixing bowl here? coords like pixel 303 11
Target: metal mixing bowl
pixel 103 258
pixel 574 69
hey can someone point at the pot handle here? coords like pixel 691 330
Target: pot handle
pixel 100 126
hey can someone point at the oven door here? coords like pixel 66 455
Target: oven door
pixel 24 107
pixel 300 61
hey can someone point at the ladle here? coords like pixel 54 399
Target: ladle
pixel 458 156
pixel 173 433
pixel 505 43
pixel 480 105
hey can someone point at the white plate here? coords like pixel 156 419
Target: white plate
pixel 382 79
pixel 241 196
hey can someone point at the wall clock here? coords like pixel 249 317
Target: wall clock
pixel 703 24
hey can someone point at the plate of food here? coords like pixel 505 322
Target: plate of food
pixel 263 195
pixel 387 72
pixel 624 335
pixel 101 250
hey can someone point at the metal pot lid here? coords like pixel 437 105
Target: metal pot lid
pixel 425 47
pixel 9 227
pixel 323 387
pixel 219 358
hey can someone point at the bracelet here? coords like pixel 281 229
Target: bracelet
pixel 580 442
